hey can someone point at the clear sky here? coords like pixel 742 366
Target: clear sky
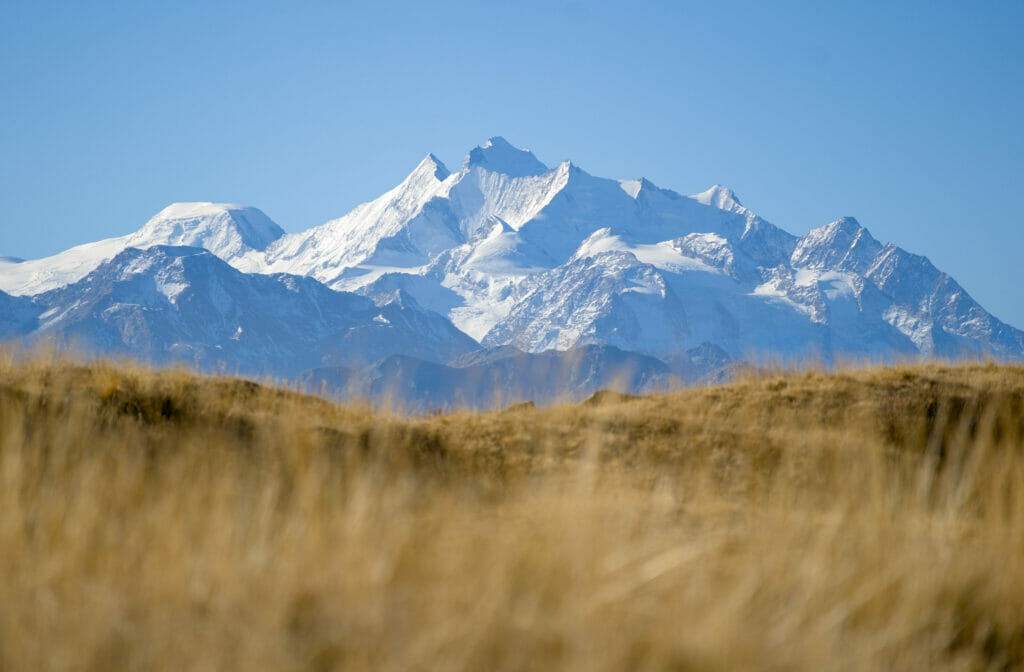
pixel 905 115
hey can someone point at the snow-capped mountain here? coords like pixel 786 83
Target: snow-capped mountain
pixel 610 298
pixel 516 253
pixel 183 304
pixel 512 253
pixel 228 231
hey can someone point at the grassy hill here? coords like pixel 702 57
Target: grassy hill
pixel 866 519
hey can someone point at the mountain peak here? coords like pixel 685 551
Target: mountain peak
pixel 129 258
pixel 644 186
pixel 719 197
pixel 224 228
pixel 843 244
pixel 498 156
pixel 845 224
pixel 183 209
pixel 845 230
pixel 433 164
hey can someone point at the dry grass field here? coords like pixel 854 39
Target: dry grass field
pixel 863 520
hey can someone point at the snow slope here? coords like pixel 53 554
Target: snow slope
pixel 228 231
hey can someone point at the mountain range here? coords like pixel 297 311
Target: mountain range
pixel 455 283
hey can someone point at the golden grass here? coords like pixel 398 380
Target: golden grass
pixel 868 519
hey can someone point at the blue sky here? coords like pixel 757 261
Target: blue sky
pixel 907 117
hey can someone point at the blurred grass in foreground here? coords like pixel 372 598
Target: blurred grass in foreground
pixel 867 519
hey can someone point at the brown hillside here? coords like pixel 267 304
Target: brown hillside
pixel 868 519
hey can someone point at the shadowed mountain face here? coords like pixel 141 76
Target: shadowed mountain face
pixel 19 315
pixel 503 252
pixel 183 304
pixel 498 377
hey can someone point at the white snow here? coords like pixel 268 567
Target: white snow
pixel 719 197
pixel 912 325
pixel 365 274
pixel 488 301
pixel 776 292
pixel 171 289
pixel 497 155
pixel 834 284
pixel 631 187
pixel 226 230
pixel 664 255
pixel 39 275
